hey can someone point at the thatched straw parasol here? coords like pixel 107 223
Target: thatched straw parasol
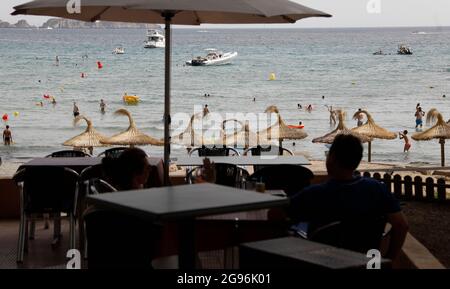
pixel 440 130
pixel 88 139
pixel 280 130
pixel 340 129
pixel 244 136
pixel 132 136
pixel 191 139
pixel 372 130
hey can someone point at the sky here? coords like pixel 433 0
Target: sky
pixel 346 13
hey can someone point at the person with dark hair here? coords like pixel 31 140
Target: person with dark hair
pixel 350 199
pixel 129 171
pixel 359 118
pixel 407 142
pixel 7 136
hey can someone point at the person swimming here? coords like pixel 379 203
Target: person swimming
pixel 359 118
pixel 76 110
pixel 332 115
pixel 102 106
pixel 419 115
pixel 205 110
pixel 407 142
pixel 7 136
pixel 299 106
pixel 309 108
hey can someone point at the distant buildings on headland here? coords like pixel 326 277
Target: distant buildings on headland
pixel 56 23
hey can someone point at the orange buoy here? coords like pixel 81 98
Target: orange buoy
pixel 99 65
pixel 5 117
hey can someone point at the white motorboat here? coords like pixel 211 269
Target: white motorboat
pixel 119 50
pixel 213 57
pixel 154 39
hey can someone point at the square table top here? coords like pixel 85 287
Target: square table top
pixel 187 201
pixel 244 160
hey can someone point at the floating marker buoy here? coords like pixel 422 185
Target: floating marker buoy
pixel 99 65
pixel 16 114
pixel 46 96
pixel 272 76
pixel 5 117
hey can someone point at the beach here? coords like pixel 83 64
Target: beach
pixel 306 64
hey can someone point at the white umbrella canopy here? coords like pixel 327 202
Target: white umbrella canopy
pixel 186 12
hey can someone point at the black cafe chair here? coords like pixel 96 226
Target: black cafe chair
pixel 113 152
pixel 270 150
pixel 46 190
pixel 116 240
pixel 206 151
pixel 226 174
pixel 289 178
pixel 358 234
pixel 68 154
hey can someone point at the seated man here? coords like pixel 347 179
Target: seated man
pixel 348 198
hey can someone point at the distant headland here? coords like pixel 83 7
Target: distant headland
pixel 56 23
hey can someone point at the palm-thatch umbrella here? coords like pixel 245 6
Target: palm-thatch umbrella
pixel 244 136
pixel 88 139
pixel 340 129
pixel 441 131
pixel 372 131
pixel 280 130
pixel 191 139
pixel 132 136
pixel 181 12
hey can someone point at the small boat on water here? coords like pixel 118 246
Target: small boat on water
pixel 130 99
pixel 213 57
pixel 404 50
pixel 119 50
pixel 154 39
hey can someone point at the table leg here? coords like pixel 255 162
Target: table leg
pixel 186 244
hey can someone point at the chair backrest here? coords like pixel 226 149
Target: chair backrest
pixel 68 154
pixel 99 186
pixel 116 240
pixel 214 151
pixel 112 152
pixel 226 174
pixel 359 234
pixel 48 189
pixel 290 178
pixel 267 150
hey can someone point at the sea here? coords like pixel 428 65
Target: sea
pixel 305 65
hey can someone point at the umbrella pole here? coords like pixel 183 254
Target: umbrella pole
pixel 369 152
pixel 168 18
pixel 442 142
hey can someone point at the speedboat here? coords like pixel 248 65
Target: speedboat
pixel 154 39
pixel 213 57
pixel 404 50
pixel 119 50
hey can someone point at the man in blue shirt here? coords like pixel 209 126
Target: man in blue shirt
pixel 348 198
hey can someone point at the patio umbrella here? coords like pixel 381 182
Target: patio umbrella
pixel 132 136
pixel 440 130
pixel 88 139
pixel 340 129
pixel 280 130
pixel 185 12
pixel 372 131
pixel 244 136
pixel 191 139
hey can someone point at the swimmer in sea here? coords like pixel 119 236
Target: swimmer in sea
pixel 299 106
pixel 419 115
pixel 332 115
pixel 403 135
pixel 309 108
pixel 76 110
pixel 102 106
pixel 359 117
pixel 7 136
pixel 205 110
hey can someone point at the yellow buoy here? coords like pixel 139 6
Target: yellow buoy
pixel 16 113
pixel 272 76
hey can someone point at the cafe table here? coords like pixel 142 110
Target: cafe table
pixel 183 204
